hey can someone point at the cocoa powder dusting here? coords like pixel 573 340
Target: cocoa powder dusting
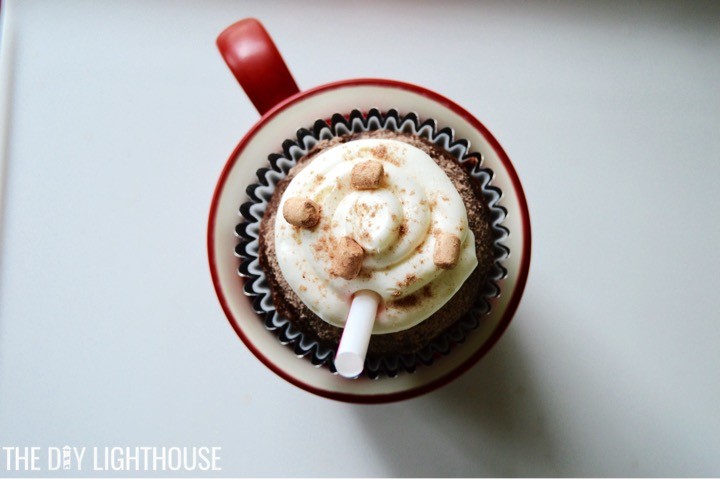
pixel 365 273
pixel 402 229
pixel 380 152
pixel 404 303
pixel 409 279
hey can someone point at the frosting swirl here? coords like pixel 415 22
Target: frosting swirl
pixel 397 224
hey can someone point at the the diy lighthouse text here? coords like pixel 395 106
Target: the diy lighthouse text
pixel 142 458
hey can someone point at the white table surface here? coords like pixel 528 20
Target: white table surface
pixel 122 114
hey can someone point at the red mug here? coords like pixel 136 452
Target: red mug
pixel 258 66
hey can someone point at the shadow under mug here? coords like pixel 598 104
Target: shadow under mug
pixel 259 68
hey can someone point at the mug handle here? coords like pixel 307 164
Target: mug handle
pixel 256 63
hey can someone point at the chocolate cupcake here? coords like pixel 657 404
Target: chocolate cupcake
pixel 378 202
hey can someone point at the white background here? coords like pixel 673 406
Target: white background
pixel 122 114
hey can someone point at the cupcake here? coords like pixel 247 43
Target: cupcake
pixel 382 203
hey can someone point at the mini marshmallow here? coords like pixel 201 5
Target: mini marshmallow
pixel 348 258
pixel 367 175
pixel 447 250
pixel 301 212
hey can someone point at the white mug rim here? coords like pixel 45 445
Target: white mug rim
pixel 516 292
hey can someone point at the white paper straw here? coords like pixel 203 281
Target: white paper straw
pixel 350 356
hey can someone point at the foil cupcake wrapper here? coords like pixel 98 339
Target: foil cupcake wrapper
pixel 279 164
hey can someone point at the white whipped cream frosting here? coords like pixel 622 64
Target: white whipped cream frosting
pixel 395 224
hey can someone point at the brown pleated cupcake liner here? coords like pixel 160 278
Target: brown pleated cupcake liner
pixel 256 286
